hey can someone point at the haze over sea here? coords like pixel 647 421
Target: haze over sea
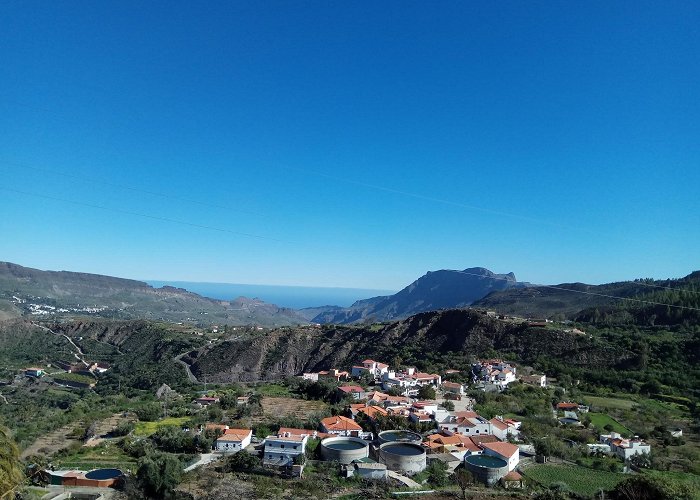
pixel 296 297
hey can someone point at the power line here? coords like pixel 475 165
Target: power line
pixel 129 188
pixel 430 198
pixel 147 216
pixel 664 287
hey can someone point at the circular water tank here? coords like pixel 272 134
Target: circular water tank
pixel 102 474
pixel 486 468
pixel 401 436
pixel 408 458
pixel 344 449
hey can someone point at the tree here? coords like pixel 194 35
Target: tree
pixel 10 466
pixel 643 487
pixel 437 473
pixel 159 474
pixel 242 462
pixel 426 392
pixel 464 480
pixel 448 405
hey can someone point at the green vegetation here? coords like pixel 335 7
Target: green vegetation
pixel 10 469
pixel 580 480
pixel 106 455
pixel 145 429
pixel 605 422
pixel 74 377
pixel 615 403
pixel 273 390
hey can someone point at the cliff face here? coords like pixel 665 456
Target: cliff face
pixel 292 351
pixel 435 290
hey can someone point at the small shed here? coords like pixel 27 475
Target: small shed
pixel 512 480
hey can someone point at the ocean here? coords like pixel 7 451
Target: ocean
pixel 295 297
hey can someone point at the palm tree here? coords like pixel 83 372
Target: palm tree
pixel 10 467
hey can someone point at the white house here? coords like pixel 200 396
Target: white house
pixel 372 367
pixel 536 379
pixel 506 451
pixel 281 449
pixel 503 428
pixel 453 388
pixel 233 440
pixel 624 448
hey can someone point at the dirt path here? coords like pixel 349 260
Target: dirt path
pixel 79 355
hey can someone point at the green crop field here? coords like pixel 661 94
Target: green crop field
pixel 600 420
pixel 579 479
pixel 613 403
pixel 148 428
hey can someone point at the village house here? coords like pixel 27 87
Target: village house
pixel 624 448
pixel 456 444
pixel 453 388
pixel 567 406
pixel 233 440
pixel 536 379
pixel 374 368
pixel 503 428
pixel 207 400
pixel 34 372
pixel 355 391
pixel 493 375
pixel 506 451
pixel 341 426
pixel 386 400
pixel 333 374
pixel 281 449
pixel 372 412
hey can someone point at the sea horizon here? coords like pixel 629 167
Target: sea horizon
pixel 292 296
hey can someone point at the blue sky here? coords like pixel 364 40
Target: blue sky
pixel 357 145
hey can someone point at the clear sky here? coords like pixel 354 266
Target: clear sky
pixel 353 144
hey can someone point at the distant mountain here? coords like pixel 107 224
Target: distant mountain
pixel 47 294
pixel 442 289
pixel 644 302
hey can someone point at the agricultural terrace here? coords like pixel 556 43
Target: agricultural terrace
pixel 145 429
pixel 610 403
pixel 580 480
pixel 600 420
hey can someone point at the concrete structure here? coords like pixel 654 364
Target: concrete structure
pixel 233 440
pixel 366 470
pixel 407 458
pixel 282 449
pixel 401 436
pixel 486 469
pixel 344 449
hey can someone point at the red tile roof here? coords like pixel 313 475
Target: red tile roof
pixel 340 423
pixel 504 449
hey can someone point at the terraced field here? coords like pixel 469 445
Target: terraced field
pixel 580 480
pixel 290 407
